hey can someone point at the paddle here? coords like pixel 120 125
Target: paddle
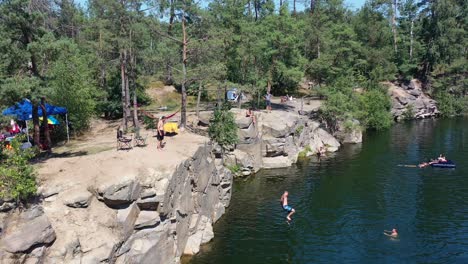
pixel 407 166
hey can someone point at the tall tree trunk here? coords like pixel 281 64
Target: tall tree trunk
pixel 256 7
pixel 312 6
pixel 318 48
pixel 127 94
pixel 394 28
pixel 183 112
pixel 281 3
pixel 294 7
pixel 169 77
pixel 36 127
pixel 411 40
pixel 123 55
pixel 198 99
pixel 45 125
pixel 135 101
pixel 136 124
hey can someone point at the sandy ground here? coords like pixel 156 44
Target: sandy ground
pixel 94 158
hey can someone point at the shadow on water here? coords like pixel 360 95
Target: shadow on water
pixel 345 201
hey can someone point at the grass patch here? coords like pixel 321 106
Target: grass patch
pixel 304 152
pixel 235 169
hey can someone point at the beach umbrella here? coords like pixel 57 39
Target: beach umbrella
pixel 51 120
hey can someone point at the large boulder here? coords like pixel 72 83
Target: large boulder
pixel 247 133
pixel 204 118
pixel 77 198
pixel 26 230
pixel 119 195
pixel 279 124
pixel 243 122
pixel 276 162
pixel 349 133
pixel 273 147
pixel 127 218
pixel 7 205
pixel 147 219
pixel 203 233
pixel 331 143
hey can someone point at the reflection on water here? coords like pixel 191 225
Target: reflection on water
pixel 345 201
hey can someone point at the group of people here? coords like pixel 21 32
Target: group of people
pixel 440 159
pixel 10 131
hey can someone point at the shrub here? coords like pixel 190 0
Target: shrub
pixel 304 152
pixel 17 177
pixel 235 169
pixel 375 112
pixel 223 128
pixel 299 130
pixel 408 114
pixel 149 123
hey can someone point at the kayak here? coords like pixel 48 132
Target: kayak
pixel 448 164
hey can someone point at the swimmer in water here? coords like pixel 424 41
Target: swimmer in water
pixel 392 234
pixel 286 207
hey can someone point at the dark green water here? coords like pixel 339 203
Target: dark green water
pixel 344 203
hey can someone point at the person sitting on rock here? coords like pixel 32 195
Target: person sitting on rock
pixel 249 113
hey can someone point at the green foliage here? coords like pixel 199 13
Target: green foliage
pixel 303 154
pixel 299 130
pixel 71 85
pixel 235 169
pixel 149 123
pixel 223 128
pixel 375 111
pixel 17 177
pixel 73 56
pixel 450 105
pixel 408 114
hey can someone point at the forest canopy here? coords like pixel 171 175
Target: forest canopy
pixel 94 58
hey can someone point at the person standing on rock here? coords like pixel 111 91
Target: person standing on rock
pixel 160 132
pixel 286 207
pixel 268 101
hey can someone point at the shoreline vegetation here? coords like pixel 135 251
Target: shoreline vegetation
pixel 110 63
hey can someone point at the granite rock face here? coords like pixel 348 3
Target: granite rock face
pixel 349 133
pixel 25 231
pixel 410 102
pixel 154 216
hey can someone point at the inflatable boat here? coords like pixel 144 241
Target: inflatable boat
pixel 448 164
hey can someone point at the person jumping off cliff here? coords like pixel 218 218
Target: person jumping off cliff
pixel 286 207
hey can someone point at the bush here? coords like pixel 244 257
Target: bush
pixel 149 123
pixel 304 152
pixel 235 169
pixel 450 105
pixel 223 128
pixel 17 177
pixel 408 114
pixel 375 113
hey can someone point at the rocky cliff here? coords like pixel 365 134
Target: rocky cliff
pixel 276 139
pixel 410 102
pixel 99 209
pixel 151 218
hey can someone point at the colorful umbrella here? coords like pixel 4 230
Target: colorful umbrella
pixel 51 120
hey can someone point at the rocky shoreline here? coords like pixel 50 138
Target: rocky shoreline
pixel 153 217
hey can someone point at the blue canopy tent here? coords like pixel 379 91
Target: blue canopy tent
pixel 23 111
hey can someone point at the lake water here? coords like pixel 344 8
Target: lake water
pixel 345 202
